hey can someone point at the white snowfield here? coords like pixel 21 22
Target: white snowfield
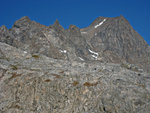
pixel 100 23
pixel 63 51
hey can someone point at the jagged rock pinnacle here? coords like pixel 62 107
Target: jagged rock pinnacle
pixel 57 26
pixel 24 21
pixel 74 30
pixel 56 22
pixel 3 27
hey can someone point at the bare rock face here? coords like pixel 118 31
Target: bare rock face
pixel 39 84
pixel 112 39
pixel 5 35
pixel 103 68
pixel 117 41
pixel 34 38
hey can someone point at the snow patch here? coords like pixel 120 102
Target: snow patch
pixel 93 52
pixel 94 56
pixel 81 58
pixel 63 51
pixel 84 32
pixel 25 52
pixel 17 31
pixel 100 23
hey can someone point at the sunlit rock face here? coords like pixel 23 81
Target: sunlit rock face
pixel 103 68
pixel 113 39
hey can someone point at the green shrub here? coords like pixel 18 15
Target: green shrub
pixel 14 67
pixel 47 80
pixel 75 83
pixel 56 75
pixel 14 75
pixel 88 84
pixel 127 66
pixel 35 56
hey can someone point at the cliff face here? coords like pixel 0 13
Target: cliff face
pixel 117 41
pixel 103 68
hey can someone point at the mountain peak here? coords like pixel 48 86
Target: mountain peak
pixel 73 27
pixel 3 28
pixel 25 18
pixel 56 22
pixel 98 20
pixel 24 21
pixel 122 18
pixel 57 26
pixel 74 30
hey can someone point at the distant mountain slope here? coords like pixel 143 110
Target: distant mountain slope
pixel 105 40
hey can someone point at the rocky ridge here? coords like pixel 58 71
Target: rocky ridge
pixel 112 39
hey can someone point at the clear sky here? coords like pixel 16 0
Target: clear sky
pixel 78 12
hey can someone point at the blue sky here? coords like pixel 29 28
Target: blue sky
pixel 78 12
